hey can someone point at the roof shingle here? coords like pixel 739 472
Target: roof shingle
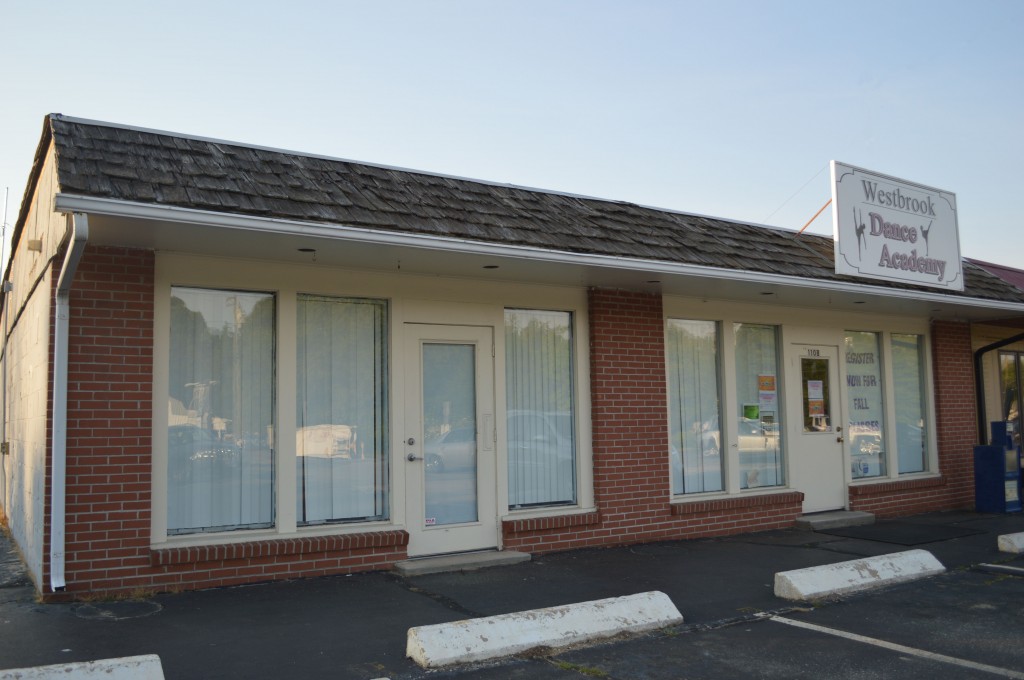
pixel 99 160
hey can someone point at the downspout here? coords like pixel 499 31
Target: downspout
pixel 979 383
pixel 79 235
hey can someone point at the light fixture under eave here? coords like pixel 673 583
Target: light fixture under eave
pixel 859 302
pixel 308 251
pixel 491 266
pixel 767 292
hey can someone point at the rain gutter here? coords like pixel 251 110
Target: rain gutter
pixel 78 236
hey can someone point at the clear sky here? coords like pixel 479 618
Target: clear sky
pixel 727 108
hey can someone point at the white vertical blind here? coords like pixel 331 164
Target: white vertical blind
pixel 539 397
pixel 341 442
pixel 695 456
pixel 221 404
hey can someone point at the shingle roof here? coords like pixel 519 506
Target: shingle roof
pixel 101 160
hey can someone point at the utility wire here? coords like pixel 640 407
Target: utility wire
pixel 784 203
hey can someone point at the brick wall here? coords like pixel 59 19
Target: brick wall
pixel 630 446
pixel 956 432
pixel 109 460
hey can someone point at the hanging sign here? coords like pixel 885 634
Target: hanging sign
pixel 891 229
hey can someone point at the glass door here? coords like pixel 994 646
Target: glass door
pixel 816 436
pixel 449 451
pixel 1011 375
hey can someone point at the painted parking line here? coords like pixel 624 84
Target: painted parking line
pixel 931 656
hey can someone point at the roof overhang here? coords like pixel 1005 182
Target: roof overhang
pixel 183 230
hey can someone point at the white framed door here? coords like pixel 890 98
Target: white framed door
pixel 449 442
pixel 816 435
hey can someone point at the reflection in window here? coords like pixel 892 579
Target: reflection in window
pixel 1011 375
pixel 450 428
pixel 341 411
pixel 693 399
pixel 864 398
pixel 221 403
pixel 908 392
pixel 757 402
pixel 539 398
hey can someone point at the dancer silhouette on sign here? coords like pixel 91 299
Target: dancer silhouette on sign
pixel 860 229
pixel 924 232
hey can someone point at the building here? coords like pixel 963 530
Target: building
pixel 226 364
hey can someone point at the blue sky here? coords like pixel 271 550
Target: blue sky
pixel 724 108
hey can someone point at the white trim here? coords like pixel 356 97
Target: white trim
pixel 105 206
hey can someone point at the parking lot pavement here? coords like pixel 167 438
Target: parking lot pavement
pixel 355 626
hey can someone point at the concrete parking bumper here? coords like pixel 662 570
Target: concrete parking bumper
pixel 507 634
pixel 832 580
pixel 1012 543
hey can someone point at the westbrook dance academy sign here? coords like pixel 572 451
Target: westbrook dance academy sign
pixel 888 228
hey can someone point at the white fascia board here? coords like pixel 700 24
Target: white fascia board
pixel 68 203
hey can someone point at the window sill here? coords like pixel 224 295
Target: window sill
pixel 534 520
pixel 888 484
pixel 735 502
pixel 273 546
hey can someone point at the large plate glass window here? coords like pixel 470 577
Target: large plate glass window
pixel 342 410
pixel 539 398
pixel 220 433
pixel 693 386
pixel 866 432
pixel 908 392
pixel 760 424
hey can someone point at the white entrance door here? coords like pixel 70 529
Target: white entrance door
pixel 448 442
pixel 815 429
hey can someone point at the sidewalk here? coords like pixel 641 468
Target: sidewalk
pixel 355 626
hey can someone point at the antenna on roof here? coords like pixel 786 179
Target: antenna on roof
pixel 815 217
pixel 3 229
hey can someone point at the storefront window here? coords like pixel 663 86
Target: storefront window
pixel 341 441
pixel 757 403
pixel 908 391
pixel 539 397
pixel 693 396
pixel 1011 375
pixel 220 433
pixel 864 400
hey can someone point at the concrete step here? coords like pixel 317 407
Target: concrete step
pixel 819 521
pixel 460 562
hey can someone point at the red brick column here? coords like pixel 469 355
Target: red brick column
pixel 110 407
pixel 956 409
pixel 629 408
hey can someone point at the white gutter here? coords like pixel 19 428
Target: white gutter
pixel 272 225
pixel 78 236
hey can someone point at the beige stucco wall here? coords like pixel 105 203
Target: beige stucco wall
pixel 26 322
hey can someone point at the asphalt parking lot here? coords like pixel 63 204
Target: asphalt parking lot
pixel 965 623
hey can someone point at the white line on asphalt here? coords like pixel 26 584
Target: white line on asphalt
pixel 1006 673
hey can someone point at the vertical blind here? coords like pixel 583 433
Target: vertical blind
pixel 539 397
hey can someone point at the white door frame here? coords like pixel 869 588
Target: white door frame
pixel 816 447
pixel 430 535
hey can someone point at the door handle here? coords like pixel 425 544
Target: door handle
pixel 839 439
pixel 412 457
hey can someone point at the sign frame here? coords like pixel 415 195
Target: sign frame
pixel 890 229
